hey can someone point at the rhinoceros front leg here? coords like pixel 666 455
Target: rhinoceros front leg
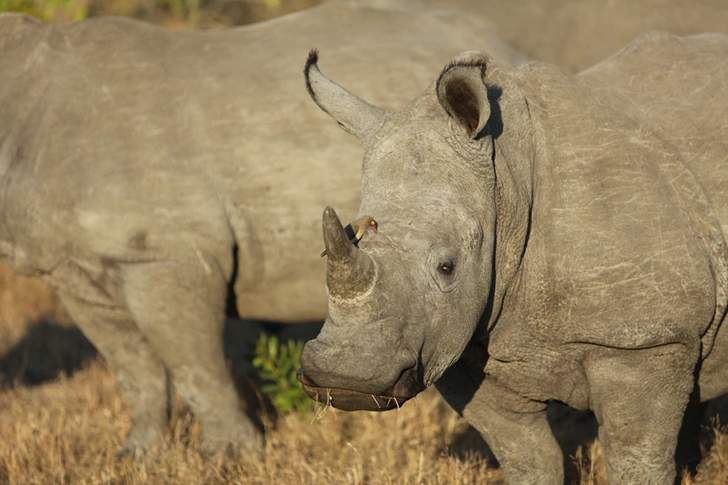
pixel 180 309
pixel 639 398
pixel 139 371
pixel 515 428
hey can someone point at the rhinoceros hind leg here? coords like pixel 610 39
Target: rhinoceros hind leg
pixel 140 373
pixel 180 308
pixel 639 398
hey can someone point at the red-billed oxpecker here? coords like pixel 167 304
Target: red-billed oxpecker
pixel 355 230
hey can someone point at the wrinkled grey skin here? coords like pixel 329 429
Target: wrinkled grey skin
pixel 135 161
pixel 541 237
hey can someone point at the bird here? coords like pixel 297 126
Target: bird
pixel 355 230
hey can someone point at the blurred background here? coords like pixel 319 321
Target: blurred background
pixel 177 14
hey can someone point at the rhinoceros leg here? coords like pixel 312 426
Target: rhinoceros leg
pixel 180 309
pixel 515 428
pixel 140 373
pixel 639 398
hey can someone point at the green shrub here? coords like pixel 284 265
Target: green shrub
pixel 29 7
pixel 48 10
pixel 185 10
pixel 277 364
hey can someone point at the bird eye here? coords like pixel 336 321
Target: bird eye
pixel 446 268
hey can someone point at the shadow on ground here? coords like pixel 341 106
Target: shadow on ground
pixel 49 349
pixel 45 351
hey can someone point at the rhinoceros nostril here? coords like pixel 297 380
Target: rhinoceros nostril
pixel 304 379
pixel 407 385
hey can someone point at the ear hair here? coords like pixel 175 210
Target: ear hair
pixel 311 60
pixel 462 92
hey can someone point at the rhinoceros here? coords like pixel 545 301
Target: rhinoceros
pixel 541 237
pixel 575 34
pixel 145 171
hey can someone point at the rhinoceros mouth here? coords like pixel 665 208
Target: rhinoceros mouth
pixel 348 400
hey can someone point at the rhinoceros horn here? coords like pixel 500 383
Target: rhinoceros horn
pixel 350 272
pixel 354 115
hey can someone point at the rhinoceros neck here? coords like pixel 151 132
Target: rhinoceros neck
pixel 514 150
pixel 615 217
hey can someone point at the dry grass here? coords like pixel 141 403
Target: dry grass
pixel 714 465
pixel 67 431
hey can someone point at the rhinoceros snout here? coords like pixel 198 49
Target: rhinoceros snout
pixel 356 377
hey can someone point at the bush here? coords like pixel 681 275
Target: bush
pixel 277 364
pixel 48 10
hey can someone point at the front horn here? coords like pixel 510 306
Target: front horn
pixel 349 271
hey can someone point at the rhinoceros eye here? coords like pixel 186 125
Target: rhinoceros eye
pixel 446 268
pixel 442 263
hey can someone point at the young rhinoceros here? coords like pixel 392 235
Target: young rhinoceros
pixel 541 237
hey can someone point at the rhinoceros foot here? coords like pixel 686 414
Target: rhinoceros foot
pixel 348 400
pixel 143 437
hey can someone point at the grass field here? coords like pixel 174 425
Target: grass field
pixel 67 430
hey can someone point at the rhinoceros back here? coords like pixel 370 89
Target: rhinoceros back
pixel 93 158
pixel 139 143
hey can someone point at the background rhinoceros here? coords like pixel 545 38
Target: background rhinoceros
pixel 576 34
pixel 144 171
pixel 542 237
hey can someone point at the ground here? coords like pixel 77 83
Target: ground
pixel 67 430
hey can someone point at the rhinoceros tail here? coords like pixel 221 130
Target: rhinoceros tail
pixel 311 60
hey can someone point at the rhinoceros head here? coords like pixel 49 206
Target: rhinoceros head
pixel 403 306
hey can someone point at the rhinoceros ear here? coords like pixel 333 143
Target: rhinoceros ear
pixel 462 92
pixel 353 114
